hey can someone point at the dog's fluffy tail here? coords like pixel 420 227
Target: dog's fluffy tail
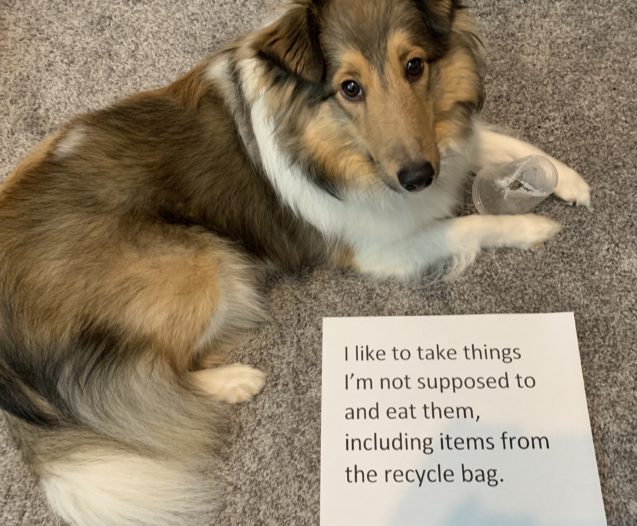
pixel 137 451
pixel 93 480
pixel 107 486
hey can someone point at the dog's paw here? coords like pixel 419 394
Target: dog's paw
pixel 230 383
pixel 529 231
pixel 571 187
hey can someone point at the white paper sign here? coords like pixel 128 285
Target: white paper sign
pixel 456 421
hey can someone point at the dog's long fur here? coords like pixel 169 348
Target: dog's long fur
pixel 133 240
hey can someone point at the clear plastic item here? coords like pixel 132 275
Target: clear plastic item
pixel 514 188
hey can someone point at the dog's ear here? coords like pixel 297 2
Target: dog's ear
pixel 438 16
pixel 292 43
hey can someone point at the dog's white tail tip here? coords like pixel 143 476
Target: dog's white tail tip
pixel 112 488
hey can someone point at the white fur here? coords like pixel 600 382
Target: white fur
pixel 218 71
pixel 233 383
pixel 458 240
pixel 114 488
pixel 70 142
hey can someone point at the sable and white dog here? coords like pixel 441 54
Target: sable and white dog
pixel 132 241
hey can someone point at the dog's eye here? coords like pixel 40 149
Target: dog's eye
pixel 414 68
pixel 352 90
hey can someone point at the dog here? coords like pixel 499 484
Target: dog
pixel 134 240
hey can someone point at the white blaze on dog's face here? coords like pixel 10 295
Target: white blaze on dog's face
pixel 390 82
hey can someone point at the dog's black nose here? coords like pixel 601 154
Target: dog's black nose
pixel 417 176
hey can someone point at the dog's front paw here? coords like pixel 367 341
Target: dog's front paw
pixel 571 187
pixel 529 231
pixel 230 383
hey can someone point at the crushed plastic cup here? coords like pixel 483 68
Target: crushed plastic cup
pixel 514 188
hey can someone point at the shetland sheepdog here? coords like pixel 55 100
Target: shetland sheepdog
pixel 133 240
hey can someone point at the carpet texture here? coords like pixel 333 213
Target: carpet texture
pixel 561 74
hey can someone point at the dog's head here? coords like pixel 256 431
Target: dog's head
pixel 375 88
